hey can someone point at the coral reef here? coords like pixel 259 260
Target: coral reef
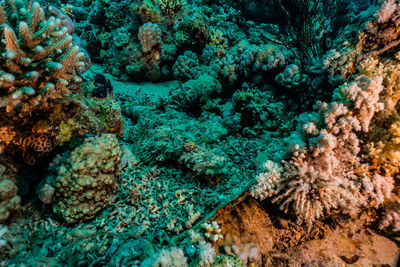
pixel 205 133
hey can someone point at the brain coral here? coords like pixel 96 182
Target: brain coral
pixel 86 180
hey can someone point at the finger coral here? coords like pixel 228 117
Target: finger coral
pixel 38 59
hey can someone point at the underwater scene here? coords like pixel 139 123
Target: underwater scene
pixel 208 133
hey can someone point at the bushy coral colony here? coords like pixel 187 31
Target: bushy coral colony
pixel 139 132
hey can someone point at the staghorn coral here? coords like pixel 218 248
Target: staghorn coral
pixel 85 181
pixel 38 59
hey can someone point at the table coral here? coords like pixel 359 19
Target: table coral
pixel 86 181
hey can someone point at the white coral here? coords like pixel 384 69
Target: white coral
pixel 391 220
pixel 166 258
pixel 207 254
pixel 378 188
pixel 267 181
pixel 386 11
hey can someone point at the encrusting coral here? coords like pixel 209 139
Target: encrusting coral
pixel 85 181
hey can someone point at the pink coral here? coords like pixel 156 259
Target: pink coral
pixel 322 171
pixel 150 40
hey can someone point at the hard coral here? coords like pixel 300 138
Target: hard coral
pixel 171 7
pixel 38 59
pixel 166 257
pixel 186 66
pixel 38 78
pixel 325 162
pixel 150 40
pixel 147 11
pixel 9 200
pixel 85 182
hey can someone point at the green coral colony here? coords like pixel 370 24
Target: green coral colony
pixel 139 132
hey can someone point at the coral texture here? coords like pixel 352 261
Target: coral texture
pixel 9 200
pixel 38 78
pixel 167 257
pixel 86 180
pixel 321 174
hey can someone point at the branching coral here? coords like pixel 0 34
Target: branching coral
pixel 38 77
pixel 218 40
pixel 167 257
pixel 324 167
pixel 147 11
pixel 38 59
pixel 380 36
